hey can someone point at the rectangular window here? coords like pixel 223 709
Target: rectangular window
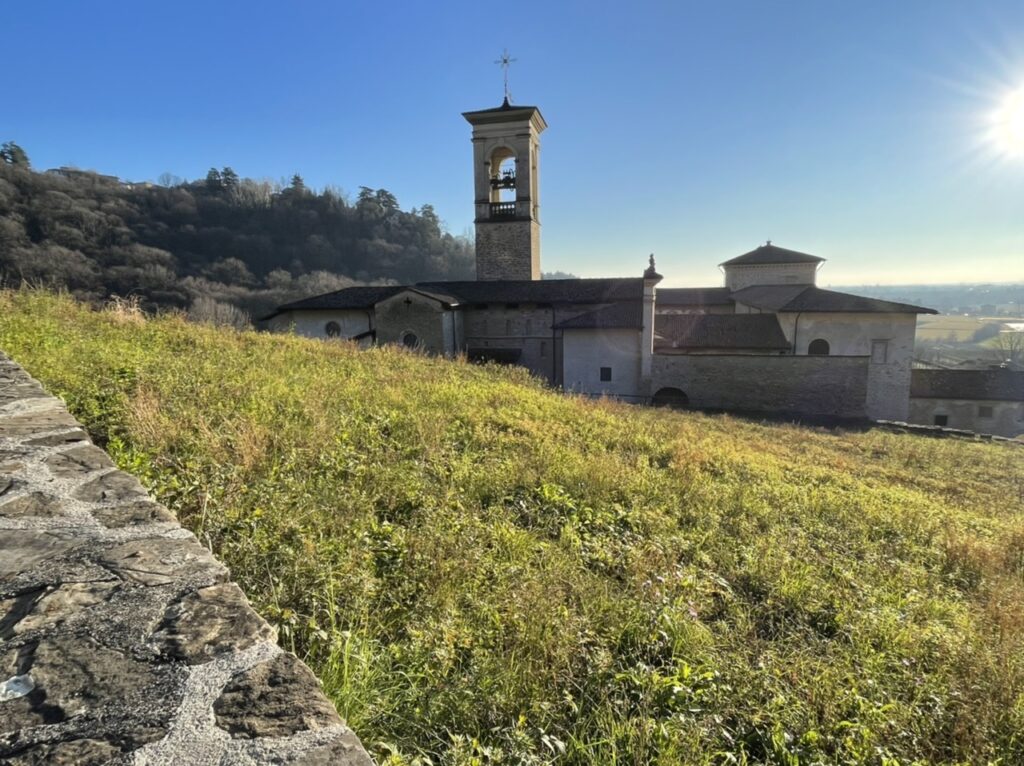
pixel 543 348
pixel 941 420
pixel 606 374
pixel 529 327
pixel 879 351
pixel 508 326
pixel 984 410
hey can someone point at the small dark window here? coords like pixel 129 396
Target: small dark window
pixel 333 329
pixel 508 326
pixel 941 420
pixel 409 340
pixel 984 410
pixel 543 348
pixel 818 347
pixel 606 374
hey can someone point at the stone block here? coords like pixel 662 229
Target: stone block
pixel 274 699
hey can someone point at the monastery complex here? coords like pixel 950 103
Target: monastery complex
pixel 769 340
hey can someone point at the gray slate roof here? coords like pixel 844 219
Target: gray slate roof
pixel 769 253
pixel 993 385
pixel 729 331
pixel 554 291
pixel 542 290
pixel 694 296
pixel 346 298
pixel 625 315
pixel 811 298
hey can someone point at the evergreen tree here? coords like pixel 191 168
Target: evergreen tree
pixel 13 154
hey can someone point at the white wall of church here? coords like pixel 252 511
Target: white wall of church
pixel 587 351
pixel 745 275
pixel 313 324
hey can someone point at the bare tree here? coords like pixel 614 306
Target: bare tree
pixel 1010 345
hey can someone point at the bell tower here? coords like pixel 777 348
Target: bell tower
pixel 506 154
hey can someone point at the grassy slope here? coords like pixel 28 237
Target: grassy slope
pixel 485 572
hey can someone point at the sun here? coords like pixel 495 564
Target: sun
pixel 1008 124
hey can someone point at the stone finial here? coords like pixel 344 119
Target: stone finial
pixel 650 272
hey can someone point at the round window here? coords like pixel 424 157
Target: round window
pixel 333 329
pixel 409 340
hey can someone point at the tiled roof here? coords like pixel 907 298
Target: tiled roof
pixel 731 331
pixel 998 385
pixel 346 298
pixel 496 291
pixel 693 296
pixel 811 298
pixel 626 314
pixel 541 290
pixel 770 253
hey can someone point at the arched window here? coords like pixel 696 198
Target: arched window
pixel 333 329
pixel 670 397
pixel 409 340
pixel 818 347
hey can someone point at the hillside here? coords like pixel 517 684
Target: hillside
pixel 485 572
pixel 222 241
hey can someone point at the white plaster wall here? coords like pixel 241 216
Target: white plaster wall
pixel 1007 417
pixel 740 276
pixel 852 334
pixel 312 324
pixel 587 351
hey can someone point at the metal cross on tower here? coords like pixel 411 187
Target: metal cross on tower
pixel 505 62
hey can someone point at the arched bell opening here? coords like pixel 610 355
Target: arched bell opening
pixel 503 175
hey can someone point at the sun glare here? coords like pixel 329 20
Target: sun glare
pixel 1008 125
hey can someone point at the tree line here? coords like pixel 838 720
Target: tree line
pixel 221 246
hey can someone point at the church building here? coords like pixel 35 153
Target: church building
pixel 769 340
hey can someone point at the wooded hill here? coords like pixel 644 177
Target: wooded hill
pixel 212 244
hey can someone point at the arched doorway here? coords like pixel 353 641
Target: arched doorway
pixel 671 397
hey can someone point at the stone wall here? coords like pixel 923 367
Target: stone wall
pixel 807 385
pixel 411 312
pixel 508 250
pixel 122 639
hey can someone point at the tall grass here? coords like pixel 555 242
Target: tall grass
pixel 485 572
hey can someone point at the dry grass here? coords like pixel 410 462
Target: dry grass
pixel 484 572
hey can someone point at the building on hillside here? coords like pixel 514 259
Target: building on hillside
pixel 985 401
pixel 767 341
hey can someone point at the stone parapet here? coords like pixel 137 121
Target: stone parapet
pixel 122 639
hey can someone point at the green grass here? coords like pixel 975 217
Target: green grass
pixel 485 572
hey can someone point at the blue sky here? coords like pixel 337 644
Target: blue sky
pixel 854 131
